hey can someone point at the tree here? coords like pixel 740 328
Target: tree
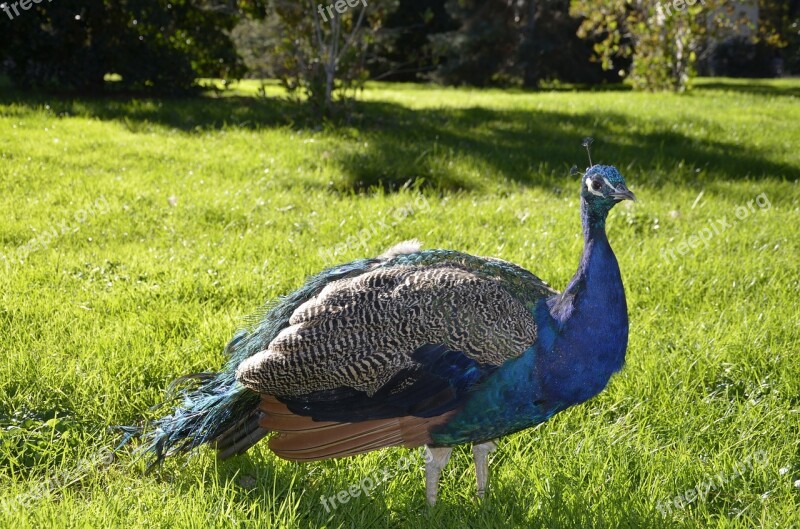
pixel 791 54
pixel 254 40
pixel 404 52
pixel 321 51
pixel 161 45
pixel 512 42
pixel 664 38
pixel 779 31
pixel 479 52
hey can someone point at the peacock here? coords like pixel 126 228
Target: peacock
pixel 413 348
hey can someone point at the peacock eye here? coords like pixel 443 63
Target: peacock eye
pixel 596 185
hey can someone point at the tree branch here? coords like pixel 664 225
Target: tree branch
pixel 350 39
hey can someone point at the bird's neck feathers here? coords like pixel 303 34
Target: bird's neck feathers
pixel 595 291
pixel 597 279
pixel 593 220
pixel 590 322
pixel 597 255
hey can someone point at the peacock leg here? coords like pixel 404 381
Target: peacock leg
pixel 481 453
pixel 435 460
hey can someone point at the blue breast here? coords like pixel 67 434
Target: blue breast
pixel 581 341
pixel 509 401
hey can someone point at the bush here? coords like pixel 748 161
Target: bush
pixel 156 45
pixel 740 57
pixel 521 43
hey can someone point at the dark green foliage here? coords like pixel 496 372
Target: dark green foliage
pixel 792 51
pixel 740 57
pixel 477 52
pixel 668 41
pixel 406 53
pixel 783 22
pixel 551 49
pixel 255 39
pixel 772 50
pixel 521 43
pixel 161 45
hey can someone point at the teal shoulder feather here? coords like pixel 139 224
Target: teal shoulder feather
pixel 519 282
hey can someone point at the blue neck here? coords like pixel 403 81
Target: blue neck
pixel 590 319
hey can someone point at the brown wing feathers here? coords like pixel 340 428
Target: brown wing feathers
pixel 360 332
pixel 301 438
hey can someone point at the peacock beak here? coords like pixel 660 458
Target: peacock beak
pixel 622 193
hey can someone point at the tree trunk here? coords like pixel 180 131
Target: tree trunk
pixel 531 73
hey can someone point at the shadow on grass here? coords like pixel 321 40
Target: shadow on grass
pixel 755 87
pixel 534 148
pixel 387 145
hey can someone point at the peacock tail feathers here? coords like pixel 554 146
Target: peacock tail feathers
pixel 207 405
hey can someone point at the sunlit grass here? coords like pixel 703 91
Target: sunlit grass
pixel 137 235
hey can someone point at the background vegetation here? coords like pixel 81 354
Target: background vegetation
pixel 165 45
pixel 145 45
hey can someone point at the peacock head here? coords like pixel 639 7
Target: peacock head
pixel 602 187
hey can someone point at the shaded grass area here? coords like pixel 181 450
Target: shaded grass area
pixel 688 139
pixel 137 234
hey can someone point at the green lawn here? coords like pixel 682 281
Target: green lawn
pixel 137 235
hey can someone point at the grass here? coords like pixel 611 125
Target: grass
pixel 137 234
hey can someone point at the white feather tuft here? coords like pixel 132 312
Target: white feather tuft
pixel 405 247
